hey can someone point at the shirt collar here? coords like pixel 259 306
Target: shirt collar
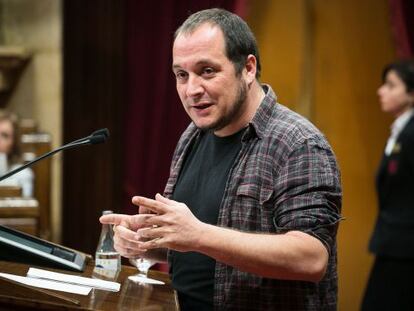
pixel 257 125
pixel 401 121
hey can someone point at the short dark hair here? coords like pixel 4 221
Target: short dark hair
pixel 238 37
pixel 404 70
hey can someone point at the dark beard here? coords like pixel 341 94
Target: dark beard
pixel 236 110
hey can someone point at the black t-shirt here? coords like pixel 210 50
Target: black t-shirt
pixel 201 186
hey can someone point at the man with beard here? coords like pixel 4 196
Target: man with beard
pixel 250 212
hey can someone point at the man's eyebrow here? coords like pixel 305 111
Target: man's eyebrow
pixel 206 62
pixel 174 66
pixel 200 62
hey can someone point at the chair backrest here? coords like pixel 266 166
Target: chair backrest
pixel 7 191
pixel 27 126
pixel 20 213
pixel 31 215
pixel 33 145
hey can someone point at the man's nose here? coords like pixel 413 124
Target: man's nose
pixel 194 86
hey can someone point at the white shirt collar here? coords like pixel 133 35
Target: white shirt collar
pixel 396 128
pixel 399 123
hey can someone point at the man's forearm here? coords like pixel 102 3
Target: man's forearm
pixel 292 256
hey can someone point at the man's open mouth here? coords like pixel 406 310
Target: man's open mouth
pixel 201 107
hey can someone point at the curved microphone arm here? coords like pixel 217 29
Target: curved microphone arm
pixel 96 137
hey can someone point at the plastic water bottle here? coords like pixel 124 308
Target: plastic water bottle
pixel 106 257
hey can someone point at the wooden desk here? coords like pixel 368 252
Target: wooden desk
pixel 132 296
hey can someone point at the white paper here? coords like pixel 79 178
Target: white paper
pixel 46 284
pixel 144 280
pixel 73 279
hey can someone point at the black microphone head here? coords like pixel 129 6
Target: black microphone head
pixel 104 132
pixel 97 139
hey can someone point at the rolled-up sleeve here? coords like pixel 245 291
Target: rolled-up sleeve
pixel 308 196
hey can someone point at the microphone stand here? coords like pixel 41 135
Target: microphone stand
pixel 96 137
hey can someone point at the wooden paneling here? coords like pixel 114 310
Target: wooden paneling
pixel 350 42
pixel 279 30
pixel 353 43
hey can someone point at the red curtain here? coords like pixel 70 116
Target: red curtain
pixel 402 22
pixel 154 116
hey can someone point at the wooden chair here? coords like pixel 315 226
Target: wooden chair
pixel 27 126
pixel 31 215
pixel 17 212
pixel 20 213
pixel 34 145
pixel 7 191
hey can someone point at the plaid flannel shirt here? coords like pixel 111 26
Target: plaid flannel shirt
pixel 284 178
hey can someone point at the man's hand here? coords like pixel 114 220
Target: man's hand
pixel 172 226
pixel 293 255
pixel 125 228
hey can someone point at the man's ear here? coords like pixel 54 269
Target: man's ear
pixel 250 69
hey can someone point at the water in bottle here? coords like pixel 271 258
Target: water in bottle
pixel 106 257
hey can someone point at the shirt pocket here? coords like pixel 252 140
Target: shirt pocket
pixel 257 191
pixel 253 209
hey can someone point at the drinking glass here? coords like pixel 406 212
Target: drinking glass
pixel 143 265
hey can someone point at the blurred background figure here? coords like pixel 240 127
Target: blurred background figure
pixel 390 283
pixel 10 155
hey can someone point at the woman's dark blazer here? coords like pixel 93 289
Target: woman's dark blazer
pixel 394 231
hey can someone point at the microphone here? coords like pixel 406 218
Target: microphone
pixel 97 137
pixel 101 132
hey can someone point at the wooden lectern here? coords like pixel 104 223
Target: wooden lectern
pixel 132 296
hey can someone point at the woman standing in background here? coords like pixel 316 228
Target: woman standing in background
pixel 10 155
pixel 391 283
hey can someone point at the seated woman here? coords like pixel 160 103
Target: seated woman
pixel 10 155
